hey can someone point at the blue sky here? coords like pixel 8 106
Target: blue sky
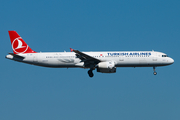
pixel 31 92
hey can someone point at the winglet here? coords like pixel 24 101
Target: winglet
pixel 71 49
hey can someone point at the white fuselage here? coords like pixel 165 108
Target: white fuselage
pixel 104 62
pixel 120 58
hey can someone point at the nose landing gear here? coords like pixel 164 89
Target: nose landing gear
pixel 154 68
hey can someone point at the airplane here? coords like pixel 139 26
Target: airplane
pixel 104 62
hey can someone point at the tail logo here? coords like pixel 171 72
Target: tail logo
pixel 19 46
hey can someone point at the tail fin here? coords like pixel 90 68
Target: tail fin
pixel 18 44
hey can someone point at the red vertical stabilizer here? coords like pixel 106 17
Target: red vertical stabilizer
pixel 18 44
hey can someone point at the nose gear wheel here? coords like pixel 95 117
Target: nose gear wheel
pixel 154 68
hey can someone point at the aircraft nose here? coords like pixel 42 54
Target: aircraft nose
pixel 171 61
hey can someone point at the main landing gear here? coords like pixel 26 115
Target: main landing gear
pixel 154 68
pixel 90 73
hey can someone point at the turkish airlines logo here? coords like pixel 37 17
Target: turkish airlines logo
pixel 19 46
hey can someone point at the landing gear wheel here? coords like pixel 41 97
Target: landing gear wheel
pixel 90 73
pixel 154 68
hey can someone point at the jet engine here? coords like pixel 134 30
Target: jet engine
pixel 106 67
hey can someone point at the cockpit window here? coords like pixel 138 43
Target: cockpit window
pixel 164 56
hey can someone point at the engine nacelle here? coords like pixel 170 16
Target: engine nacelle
pixel 106 67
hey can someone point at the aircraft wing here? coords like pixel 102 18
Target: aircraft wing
pixel 86 58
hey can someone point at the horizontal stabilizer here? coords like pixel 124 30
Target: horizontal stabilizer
pixel 16 55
